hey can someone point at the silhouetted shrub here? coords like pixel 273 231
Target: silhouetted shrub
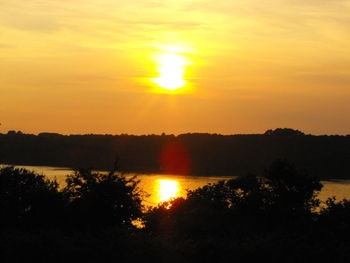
pixel 28 199
pixel 292 192
pixel 99 200
pixel 281 197
pixel 334 218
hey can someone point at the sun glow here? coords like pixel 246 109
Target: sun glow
pixel 171 69
pixel 167 189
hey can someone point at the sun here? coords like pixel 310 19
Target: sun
pixel 171 69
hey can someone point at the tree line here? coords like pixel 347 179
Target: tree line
pixel 192 153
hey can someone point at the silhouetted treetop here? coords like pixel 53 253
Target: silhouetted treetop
pixel 102 199
pixel 281 196
pixel 27 198
pixel 284 132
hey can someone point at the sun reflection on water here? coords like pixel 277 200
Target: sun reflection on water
pixel 168 189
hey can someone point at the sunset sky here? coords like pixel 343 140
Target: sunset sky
pixel 174 66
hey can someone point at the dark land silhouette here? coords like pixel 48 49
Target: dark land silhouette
pixel 273 215
pixel 193 153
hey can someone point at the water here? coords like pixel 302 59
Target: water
pixel 163 187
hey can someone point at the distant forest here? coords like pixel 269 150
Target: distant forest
pixel 193 153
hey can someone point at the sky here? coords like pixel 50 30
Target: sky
pixel 174 66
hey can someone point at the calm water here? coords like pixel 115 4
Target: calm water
pixel 163 187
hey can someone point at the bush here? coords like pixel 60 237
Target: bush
pixel 334 218
pixel 27 199
pixel 99 200
pixel 282 197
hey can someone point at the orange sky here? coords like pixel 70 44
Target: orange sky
pixel 83 66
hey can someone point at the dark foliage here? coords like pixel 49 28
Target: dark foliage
pixel 282 197
pixel 89 201
pixel 99 200
pixel 28 199
pixel 197 154
pixel 334 220
pixel 284 132
pixel 274 216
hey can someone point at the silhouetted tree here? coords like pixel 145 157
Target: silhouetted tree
pixel 284 132
pixel 99 200
pixel 28 199
pixel 281 197
pixel 334 219
pixel 292 192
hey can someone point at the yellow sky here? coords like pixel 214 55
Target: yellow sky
pixel 84 66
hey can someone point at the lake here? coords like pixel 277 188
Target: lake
pixel 163 187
